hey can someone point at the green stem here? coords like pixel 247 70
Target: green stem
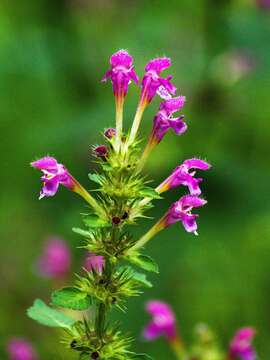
pixel 100 320
pixel 150 234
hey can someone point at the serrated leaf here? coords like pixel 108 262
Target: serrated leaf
pixel 94 221
pixel 47 316
pixel 71 298
pixel 147 191
pixel 145 262
pixel 98 179
pixel 141 278
pixel 82 232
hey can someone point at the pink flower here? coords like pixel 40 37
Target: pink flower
pixel 53 175
pixel 163 322
pixel 241 345
pixel 20 349
pixel 185 175
pixel 109 133
pixel 163 121
pixel 55 261
pixel 94 262
pixel 153 83
pixel 181 211
pixel 121 72
pixel 264 4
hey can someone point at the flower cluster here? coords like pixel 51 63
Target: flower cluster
pixel 164 323
pixel 114 254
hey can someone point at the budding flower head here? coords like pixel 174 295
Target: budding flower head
pixel 20 349
pixel 109 133
pixel 53 175
pixel 121 72
pixel 163 322
pixel 153 83
pixel 184 175
pixel 55 260
pixel 100 151
pixel 241 345
pixel 94 262
pixel 181 211
pixel 163 121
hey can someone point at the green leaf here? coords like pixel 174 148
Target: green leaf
pixel 141 279
pixel 71 298
pixel 82 232
pixel 147 191
pixel 94 221
pixel 96 178
pixel 141 356
pixel 145 262
pixel 45 315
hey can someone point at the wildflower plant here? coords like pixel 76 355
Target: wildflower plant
pixel 115 267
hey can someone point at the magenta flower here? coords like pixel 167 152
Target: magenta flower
pixel 184 175
pixel 163 121
pixel 55 261
pixel 163 322
pixel 152 83
pixel 181 211
pixel 94 262
pixel 121 72
pixel 241 345
pixel 20 349
pixel 53 175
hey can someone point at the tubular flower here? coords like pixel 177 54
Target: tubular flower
pixel 152 83
pixel 55 261
pixel 184 175
pixel 20 349
pixel 163 322
pixel 94 262
pixel 121 72
pixel 181 211
pixel 53 175
pixel 241 345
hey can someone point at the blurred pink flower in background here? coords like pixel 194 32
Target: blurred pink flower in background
pixel 241 345
pixel 264 4
pixel 21 349
pixel 55 260
pixel 163 322
pixel 94 262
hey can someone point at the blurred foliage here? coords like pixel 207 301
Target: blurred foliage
pixel 53 55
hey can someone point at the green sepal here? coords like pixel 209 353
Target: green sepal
pixel 147 191
pixel 71 298
pixel 82 232
pixel 145 262
pixel 98 179
pixel 141 356
pixel 141 279
pixel 94 221
pixel 47 316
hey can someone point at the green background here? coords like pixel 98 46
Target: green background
pixel 53 55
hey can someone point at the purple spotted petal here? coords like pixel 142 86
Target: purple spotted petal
pixel 189 223
pixel 20 349
pixel 189 201
pixel 49 188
